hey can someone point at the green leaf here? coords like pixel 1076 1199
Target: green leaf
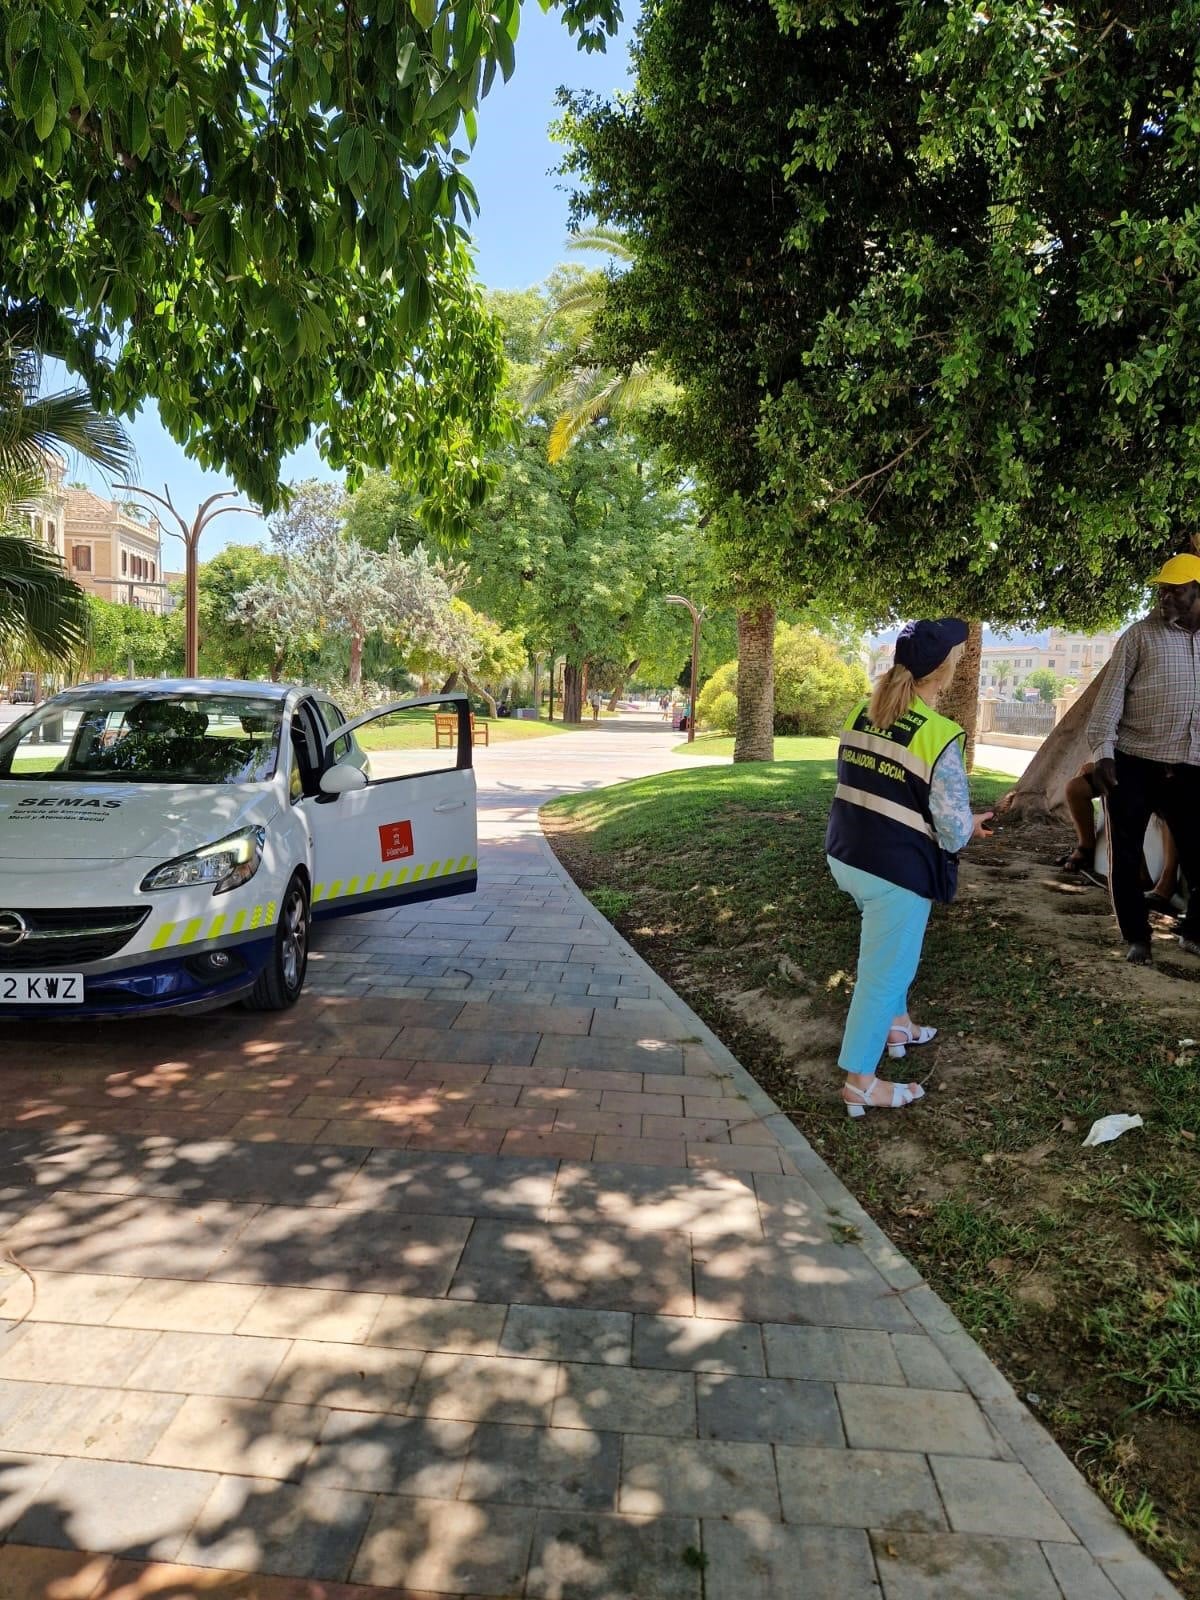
pixel 282 319
pixel 177 117
pixel 502 46
pixel 408 63
pixel 138 128
pixel 425 12
pixel 348 153
pixel 45 117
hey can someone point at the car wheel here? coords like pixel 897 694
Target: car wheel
pixel 281 980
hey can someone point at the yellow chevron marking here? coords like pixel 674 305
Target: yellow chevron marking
pixel 163 937
pixel 272 911
pixel 239 922
pixel 419 872
pixel 368 883
pixel 216 927
pixel 191 931
pixel 318 892
pixel 352 886
pixel 256 916
pixel 335 888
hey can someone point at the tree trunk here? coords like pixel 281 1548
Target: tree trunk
pixel 572 692
pixel 1039 793
pixel 960 700
pixel 620 689
pixel 451 682
pixel 356 655
pixel 476 688
pixel 755 739
pixel 537 686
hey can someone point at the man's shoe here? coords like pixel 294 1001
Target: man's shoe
pixel 1139 955
pixel 1192 946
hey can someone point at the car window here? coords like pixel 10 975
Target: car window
pixel 129 736
pixel 334 719
pixel 306 754
pixel 417 740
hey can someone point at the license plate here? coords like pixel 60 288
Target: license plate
pixel 41 988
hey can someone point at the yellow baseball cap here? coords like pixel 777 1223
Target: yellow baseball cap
pixel 1179 569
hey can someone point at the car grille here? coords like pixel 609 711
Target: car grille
pixel 57 939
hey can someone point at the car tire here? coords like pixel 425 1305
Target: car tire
pixel 280 982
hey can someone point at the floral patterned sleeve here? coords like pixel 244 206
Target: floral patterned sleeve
pixel 950 800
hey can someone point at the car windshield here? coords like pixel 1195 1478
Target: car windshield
pixel 127 737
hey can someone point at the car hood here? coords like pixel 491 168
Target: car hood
pixel 46 823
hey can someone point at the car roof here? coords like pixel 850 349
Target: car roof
pixel 235 687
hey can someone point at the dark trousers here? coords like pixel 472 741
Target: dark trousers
pixel 1145 787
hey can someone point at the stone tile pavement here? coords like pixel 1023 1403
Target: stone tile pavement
pixel 484 1272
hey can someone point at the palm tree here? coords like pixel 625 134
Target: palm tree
pixel 43 615
pixel 582 391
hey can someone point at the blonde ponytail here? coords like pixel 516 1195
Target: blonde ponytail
pixel 891 697
pixel 897 690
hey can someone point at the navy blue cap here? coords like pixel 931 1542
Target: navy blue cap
pixel 923 646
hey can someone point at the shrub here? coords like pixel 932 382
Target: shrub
pixel 716 704
pixel 814 687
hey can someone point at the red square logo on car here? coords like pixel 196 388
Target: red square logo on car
pixel 395 841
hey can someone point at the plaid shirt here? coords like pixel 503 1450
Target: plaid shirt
pixel 1149 701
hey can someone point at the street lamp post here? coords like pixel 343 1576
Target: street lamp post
pixel 697 618
pixel 190 534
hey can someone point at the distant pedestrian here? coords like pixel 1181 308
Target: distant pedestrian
pixel 901 814
pixel 1144 732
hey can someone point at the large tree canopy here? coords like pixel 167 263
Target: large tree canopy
pixel 928 278
pixel 253 215
pixel 1004 416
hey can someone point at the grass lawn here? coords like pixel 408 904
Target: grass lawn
pixel 786 749
pixel 418 735
pixel 1076 1269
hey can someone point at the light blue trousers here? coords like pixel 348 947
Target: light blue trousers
pixel 889 950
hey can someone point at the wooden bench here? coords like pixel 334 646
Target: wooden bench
pixel 445 729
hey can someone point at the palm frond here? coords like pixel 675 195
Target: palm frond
pixel 607 241
pixel 42 613
pixel 33 425
pixel 589 396
pixel 556 370
pixel 66 421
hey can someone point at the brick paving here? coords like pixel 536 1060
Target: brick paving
pixel 486 1271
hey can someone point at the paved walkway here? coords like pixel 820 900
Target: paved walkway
pixel 485 1271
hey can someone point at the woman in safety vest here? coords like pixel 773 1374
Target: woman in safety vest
pixel 900 816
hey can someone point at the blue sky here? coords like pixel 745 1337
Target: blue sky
pixel 519 236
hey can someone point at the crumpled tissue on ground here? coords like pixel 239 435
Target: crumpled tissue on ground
pixel 1112 1127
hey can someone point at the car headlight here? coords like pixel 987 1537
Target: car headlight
pixel 226 864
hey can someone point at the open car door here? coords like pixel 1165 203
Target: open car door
pixel 394 816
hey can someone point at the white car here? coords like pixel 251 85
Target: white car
pixel 166 844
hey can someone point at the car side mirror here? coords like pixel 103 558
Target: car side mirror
pixel 342 779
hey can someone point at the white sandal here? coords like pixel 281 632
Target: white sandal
pixel 911 1036
pixel 902 1095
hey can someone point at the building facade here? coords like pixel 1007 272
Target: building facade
pixel 1004 667
pixel 114 550
pixel 1079 656
pixel 110 549
pixel 48 516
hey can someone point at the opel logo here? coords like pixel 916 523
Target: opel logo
pixel 13 929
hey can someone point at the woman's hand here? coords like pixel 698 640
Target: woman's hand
pixel 979 831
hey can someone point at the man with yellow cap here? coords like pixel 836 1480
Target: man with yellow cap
pixel 1144 731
